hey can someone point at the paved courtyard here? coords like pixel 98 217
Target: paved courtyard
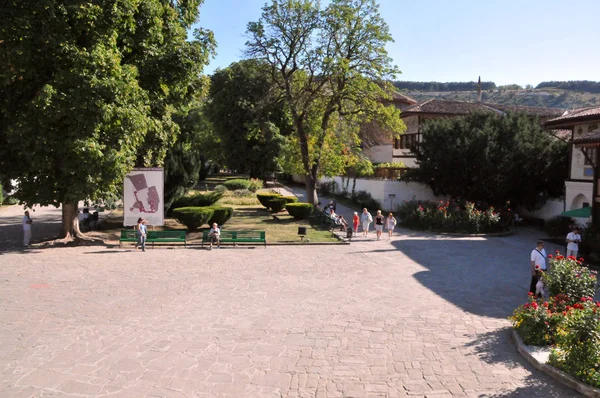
pixel 420 316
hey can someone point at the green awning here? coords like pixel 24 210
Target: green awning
pixel 584 212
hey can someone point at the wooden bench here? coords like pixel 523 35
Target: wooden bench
pixel 236 237
pixel 167 236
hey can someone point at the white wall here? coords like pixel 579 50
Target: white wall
pixel 552 208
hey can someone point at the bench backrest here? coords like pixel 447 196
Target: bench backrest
pixel 176 233
pixel 237 235
pixel 128 234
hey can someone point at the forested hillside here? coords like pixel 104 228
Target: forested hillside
pixel 552 94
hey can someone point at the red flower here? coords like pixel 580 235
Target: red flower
pixel 549 255
pixel 564 312
pixel 571 258
pixel 558 252
pixel 545 304
pixel 581 259
pixel 530 294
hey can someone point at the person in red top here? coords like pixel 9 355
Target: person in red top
pixel 355 222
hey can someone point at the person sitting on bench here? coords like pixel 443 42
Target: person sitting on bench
pixel 215 235
pixel 341 222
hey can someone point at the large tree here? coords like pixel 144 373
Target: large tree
pixel 248 115
pixel 492 158
pixel 333 71
pixel 87 90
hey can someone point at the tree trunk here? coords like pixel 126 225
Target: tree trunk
pixel 70 222
pixel 311 190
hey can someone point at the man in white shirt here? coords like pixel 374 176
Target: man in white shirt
pixel 26 228
pixel 215 236
pixel 538 260
pixel 573 240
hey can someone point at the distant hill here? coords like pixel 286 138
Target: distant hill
pixel 554 94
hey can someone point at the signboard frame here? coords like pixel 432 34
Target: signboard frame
pixel 143 196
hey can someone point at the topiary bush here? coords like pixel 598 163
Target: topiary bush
pixel 237 183
pixel 255 184
pixel 193 217
pixel 220 215
pixel 300 211
pixel 198 200
pixel 291 199
pixel 277 204
pixel 264 198
pixel 221 188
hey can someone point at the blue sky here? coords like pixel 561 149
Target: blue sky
pixel 523 42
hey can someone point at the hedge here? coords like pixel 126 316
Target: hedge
pixel 291 199
pixel 220 215
pixel 237 183
pixel 1 196
pixel 300 211
pixel 197 200
pixel 277 204
pixel 193 217
pixel 264 198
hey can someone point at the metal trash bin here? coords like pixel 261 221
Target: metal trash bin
pixel 349 232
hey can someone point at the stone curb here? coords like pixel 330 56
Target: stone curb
pixel 493 235
pixel 557 374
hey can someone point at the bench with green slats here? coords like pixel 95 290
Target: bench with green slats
pixel 238 237
pixel 167 236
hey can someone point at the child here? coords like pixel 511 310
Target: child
pixel 355 222
pixel 540 292
pixel 390 224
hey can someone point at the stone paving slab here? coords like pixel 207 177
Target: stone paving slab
pixel 419 316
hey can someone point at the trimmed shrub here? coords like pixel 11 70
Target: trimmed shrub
pixel 264 198
pixel 221 188
pixel 198 200
pixel 300 211
pixel 237 183
pixel 277 204
pixel 193 217
pixel 220 215
pixel 291 199
pixel 558 226
pixel 255 184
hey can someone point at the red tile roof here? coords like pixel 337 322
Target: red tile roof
pixel 447 107
pixel 528 110
pixel 574 115
pixel 588 139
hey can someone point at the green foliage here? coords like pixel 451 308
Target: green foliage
pixel 558 226
pixel 328 187
pixel 197 200
pixel 255 184
pixel 492 159
pixel 538 323
pixel 448 217
pixel 363 199
pixel 221 189
pixel 264 198
pixel 248 117
pixel 300 211
pixel 193 217
pixel 290 199
pixel 242 193
pixel 220 215
pixel 277 204
pixel 237 183
pixel 1 195
pixel 438 86
pixel 390 165
pixel 88 90
pixel 576 85
pixel 330 66
pixel 569 277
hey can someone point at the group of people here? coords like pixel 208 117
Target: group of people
pixel 365 220
pixel 539 260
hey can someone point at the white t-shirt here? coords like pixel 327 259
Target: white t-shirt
pixel 572 245
pixel 539 259
pixel 26 226
pixel 214 231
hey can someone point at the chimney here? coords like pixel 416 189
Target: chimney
pixel 479 90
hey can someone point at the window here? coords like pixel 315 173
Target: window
pixel 592 127
pixel 591 154
pixel 406 141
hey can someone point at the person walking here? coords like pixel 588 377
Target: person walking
pixel 391 223
pixel 366 219
pixel 26 228
pixel 141 232
pixel 573 241
pixel 379 224
pixel 538 265
pixel 355 222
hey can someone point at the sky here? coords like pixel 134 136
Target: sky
pixel 522 42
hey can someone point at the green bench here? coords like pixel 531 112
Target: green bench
pixel 168 236
pixel 236 237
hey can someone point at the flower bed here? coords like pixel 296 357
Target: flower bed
pixel 569 321
pixel 445 216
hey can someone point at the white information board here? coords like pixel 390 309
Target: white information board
pixel 143 196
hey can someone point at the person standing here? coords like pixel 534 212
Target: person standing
pixel 538 264
pixel 366 219
pixel 379 224
pixel 355 222
pixel 26 228
pixel 573 241
pixel 141 231
pixel 391 223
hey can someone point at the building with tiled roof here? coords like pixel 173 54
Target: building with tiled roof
pixel 581 127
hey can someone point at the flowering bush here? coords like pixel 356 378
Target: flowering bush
pixel 446 216
pixel 568 276
pixel 577 349
pixel 537 323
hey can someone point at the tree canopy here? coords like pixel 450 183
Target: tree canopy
pixel 439 86
pixel 492 159
pixel 333 70
pixel 88 90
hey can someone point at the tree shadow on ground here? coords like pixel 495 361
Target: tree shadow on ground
pixel 538 385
